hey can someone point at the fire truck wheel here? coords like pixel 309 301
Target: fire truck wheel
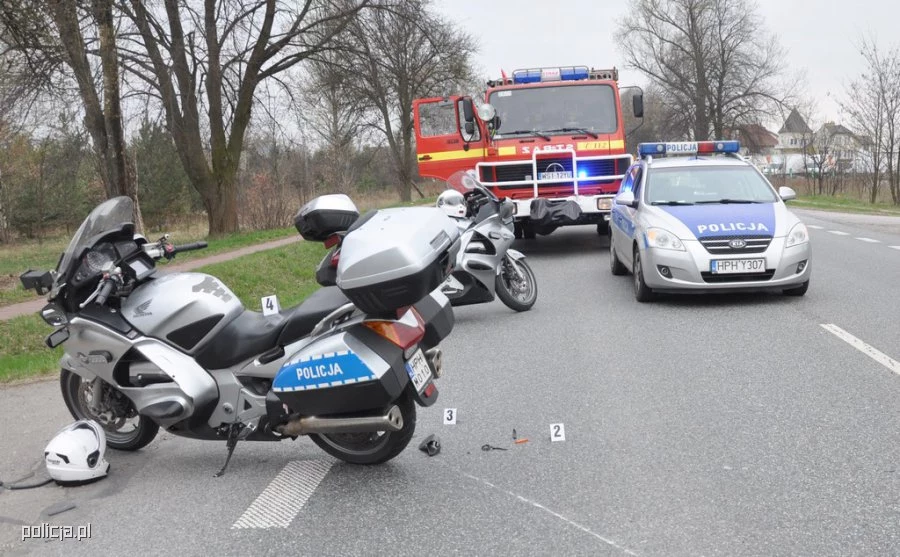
pixel 602 228
pixel 528 232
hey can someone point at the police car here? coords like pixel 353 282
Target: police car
pixel 696 216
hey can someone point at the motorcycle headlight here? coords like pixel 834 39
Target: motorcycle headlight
pixel 798 235
pixel 663 239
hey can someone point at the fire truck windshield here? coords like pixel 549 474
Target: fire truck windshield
pixel 589 108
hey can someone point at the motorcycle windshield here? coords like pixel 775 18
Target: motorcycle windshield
pixel 110 215
pixel 462 181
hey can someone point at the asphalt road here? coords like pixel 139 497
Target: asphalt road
pixel 724 425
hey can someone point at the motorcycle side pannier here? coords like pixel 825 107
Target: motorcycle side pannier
pixel 324 216
pixel 396 257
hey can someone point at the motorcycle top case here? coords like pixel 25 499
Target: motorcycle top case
pixel 324 216
pixel 395 257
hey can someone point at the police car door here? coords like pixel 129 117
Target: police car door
pixel 624 217
pixel 448 136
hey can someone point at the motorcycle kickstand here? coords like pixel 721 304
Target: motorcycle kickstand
pixel 233 431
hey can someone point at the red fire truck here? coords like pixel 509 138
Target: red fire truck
pixel 550 139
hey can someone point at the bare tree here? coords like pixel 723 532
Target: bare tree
pixel 714 59
pixel 336 115
pixel 395 56
pixel 61 39
pixel 872 103
pixel 661 120
pixel 205 64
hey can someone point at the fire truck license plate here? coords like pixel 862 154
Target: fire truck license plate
pixel 554 175
pixel 726 266
pixel 418 370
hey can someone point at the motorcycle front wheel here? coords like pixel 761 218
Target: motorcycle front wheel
pixel 516 285
pixel 125 429
pixel 371 447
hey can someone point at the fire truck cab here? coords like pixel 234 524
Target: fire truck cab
pixel 550 139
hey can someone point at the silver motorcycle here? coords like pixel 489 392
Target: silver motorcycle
pixel 486 265
pixel 347 366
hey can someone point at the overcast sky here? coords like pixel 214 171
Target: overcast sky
pixel 818 35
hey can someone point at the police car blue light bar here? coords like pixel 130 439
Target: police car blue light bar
pixel 688 148
pixel 563 73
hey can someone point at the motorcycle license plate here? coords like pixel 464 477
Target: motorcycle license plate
pixel 418 370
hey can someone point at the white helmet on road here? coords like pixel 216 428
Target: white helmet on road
pixel 75 455
pixel 453 203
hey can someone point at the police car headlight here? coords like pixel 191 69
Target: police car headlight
pixel 798 235
pixel 663 239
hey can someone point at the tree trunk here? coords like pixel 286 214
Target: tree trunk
pixel 220 199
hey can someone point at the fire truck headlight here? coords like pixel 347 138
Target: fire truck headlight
pixel 604 204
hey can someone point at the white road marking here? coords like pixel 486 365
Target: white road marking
pixel 814 226
pixel 870 240
pixel 839 233
pixel 535 504
pixel 283 498
pixel 895 247
pixel 866 349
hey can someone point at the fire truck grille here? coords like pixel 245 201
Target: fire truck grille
pixel 506 173
pixel 603 167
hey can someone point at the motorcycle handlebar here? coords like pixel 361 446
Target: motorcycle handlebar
pixel 105 291
pixel 190 247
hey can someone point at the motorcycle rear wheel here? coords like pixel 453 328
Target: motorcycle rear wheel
pixel 371 448
pixel 517 290
pixel 76 392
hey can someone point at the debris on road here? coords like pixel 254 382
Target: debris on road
pixel 430 445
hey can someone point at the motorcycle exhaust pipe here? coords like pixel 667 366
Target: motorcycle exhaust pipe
pixel 436 357
pixel 392 421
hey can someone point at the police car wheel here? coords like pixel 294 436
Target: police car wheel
pixel 798 291
pixel 642 292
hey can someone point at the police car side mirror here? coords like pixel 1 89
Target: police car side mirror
pixel 786 193
pixel 627 199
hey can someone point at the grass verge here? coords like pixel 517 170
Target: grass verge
pixel 288 272
pixel 844 205
pixel 14 260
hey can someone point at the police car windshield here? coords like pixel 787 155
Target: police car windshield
pixel 588 109
pixel 685 185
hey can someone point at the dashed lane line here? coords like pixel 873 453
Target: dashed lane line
pixel 839 232
pixel 870 351
pixel 870 240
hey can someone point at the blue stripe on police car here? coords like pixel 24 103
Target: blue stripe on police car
pixel 706 221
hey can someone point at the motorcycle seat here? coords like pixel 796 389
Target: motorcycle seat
pixel 251 333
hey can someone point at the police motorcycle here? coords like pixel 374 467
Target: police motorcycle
pixel 485 264
pixel 346 367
